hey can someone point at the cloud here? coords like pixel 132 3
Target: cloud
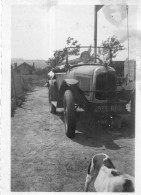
pixel 132 34
pixel 134 41
pixel 115 14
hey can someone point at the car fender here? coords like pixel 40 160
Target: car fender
pixel 72 84
pixel 67 84
pixel 53 90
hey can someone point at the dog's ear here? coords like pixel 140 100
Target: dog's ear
pixel 108 163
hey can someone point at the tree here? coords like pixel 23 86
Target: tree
pixel 74 46
pixel 60 55
pixel 114 45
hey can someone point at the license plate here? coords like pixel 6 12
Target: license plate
pixel 113 108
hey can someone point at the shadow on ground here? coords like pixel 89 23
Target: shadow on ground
pixel 99 136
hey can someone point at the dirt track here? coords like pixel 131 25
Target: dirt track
pixel 44 159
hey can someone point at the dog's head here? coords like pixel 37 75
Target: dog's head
pixel 106 177
pixel 104 168
pixel 102 159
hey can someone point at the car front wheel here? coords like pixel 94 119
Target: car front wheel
pixel 69 114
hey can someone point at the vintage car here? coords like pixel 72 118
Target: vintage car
pixel 86 83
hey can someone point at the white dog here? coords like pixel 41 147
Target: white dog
pixel 106 177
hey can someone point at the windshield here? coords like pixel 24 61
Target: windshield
pixel 87 55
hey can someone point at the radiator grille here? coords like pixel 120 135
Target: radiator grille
pixel 105 86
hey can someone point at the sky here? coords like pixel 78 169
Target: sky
pixel 38 30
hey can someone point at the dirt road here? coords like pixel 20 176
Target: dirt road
pixel 43 159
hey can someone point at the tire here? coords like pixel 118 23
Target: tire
pixel 69 114
pixel 52 108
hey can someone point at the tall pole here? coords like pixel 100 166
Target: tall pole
pixel 96 9
pixel 128 43
pixel 95 33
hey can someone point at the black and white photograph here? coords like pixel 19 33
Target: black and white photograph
pixel 71 90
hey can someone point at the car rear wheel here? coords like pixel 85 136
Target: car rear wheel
pixel 52 108
pixel 69 114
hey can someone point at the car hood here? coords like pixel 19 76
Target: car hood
pixel 90 69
